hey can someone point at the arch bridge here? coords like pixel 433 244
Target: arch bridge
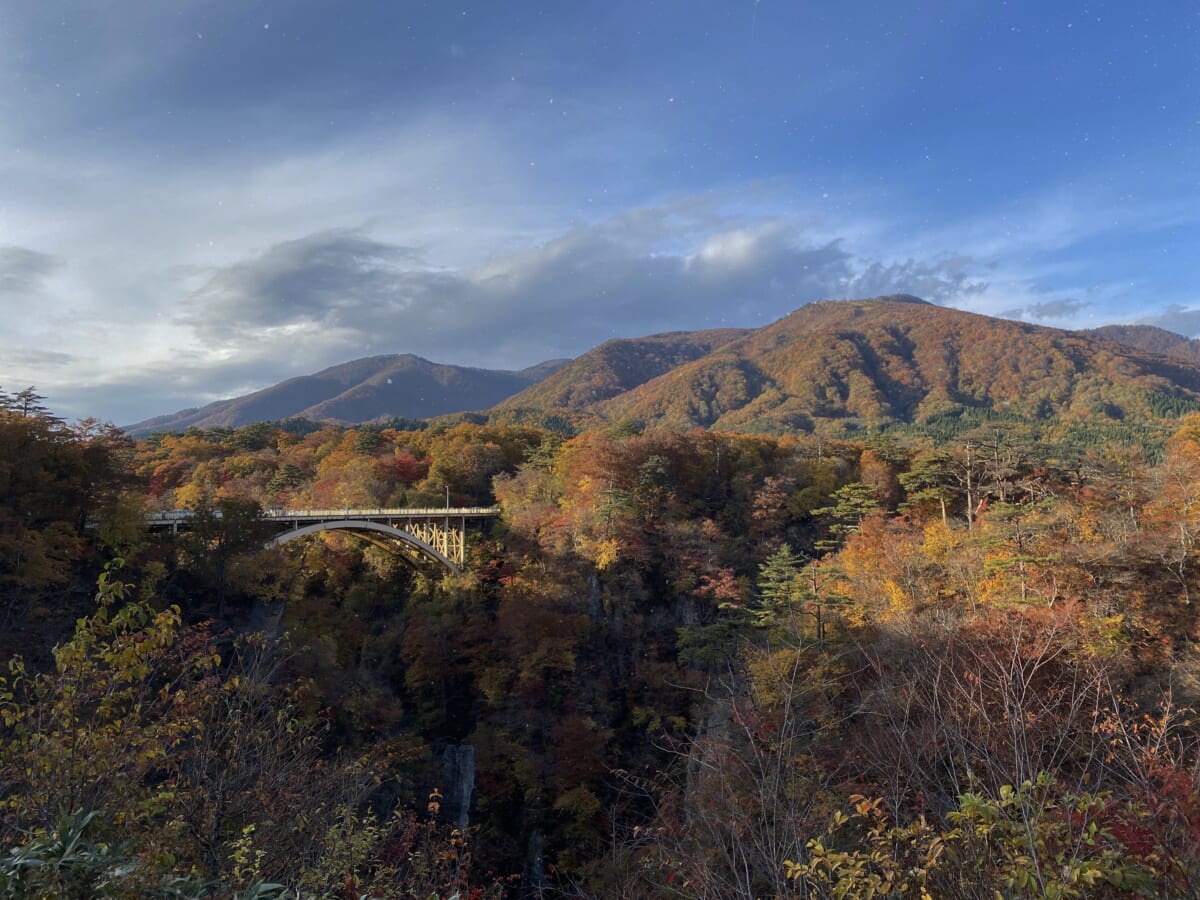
pixel 433 534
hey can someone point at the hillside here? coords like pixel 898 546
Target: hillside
pixel 1152 340
pixel 832 367
pixel 838 366
pixel 364 390
pixel 618 366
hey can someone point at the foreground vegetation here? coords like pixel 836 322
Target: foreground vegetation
pixel 686 664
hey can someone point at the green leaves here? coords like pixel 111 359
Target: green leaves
pixel 851 504
pixel 71 859
pixel 1030 839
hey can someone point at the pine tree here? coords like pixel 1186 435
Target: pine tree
pixel 851 504
pixel 778 586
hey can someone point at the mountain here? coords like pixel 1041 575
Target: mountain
pixel 618 366
pixel 1153 340
pixel 364 390
pixel 834 367
pixel 839 366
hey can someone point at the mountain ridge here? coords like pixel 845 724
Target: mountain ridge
pixel 834 366
pixel 619 365
pixel 844 365
pixel 1152 339
pixel 361 390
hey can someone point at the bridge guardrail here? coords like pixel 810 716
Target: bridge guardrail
pixel 182 515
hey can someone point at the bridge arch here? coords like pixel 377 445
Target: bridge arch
pixel 361 525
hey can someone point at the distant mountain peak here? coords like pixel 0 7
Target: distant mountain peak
pixel 1152 339
pixel 373 388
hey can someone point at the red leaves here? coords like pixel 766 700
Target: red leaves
pixel 404 468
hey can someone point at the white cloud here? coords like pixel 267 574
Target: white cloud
pixel 333 295
pixel 738 247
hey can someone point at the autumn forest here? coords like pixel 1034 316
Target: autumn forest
pixel 950 661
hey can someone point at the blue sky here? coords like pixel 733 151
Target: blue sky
pixel 199 198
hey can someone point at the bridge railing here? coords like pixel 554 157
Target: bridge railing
pixel 170 516
pixel 407 512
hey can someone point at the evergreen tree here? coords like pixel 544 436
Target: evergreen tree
pixel 931 478
pixel 778 586
pixel 851 504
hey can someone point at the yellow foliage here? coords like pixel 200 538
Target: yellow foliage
pixel 192 496
pixel 898 602
pixel 997 587
pixel 773 675
pixel 1185 443
pixel 607 553
pixel 940 541
pixel 858 559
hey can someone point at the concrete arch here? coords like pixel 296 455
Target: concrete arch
pixel 361 525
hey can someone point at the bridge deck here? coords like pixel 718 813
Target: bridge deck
pixel 176 516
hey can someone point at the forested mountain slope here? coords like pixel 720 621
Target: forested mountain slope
pixel 618 366
pixel 832 367
pixel 1153 340
pixel 836 367
pixel 364 390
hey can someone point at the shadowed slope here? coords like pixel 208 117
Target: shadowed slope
pixel 364 390
pixel 617 366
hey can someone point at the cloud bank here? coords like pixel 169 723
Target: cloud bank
pixel 330 293
pixel 24 271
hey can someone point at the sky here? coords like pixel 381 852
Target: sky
pixel 201 198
